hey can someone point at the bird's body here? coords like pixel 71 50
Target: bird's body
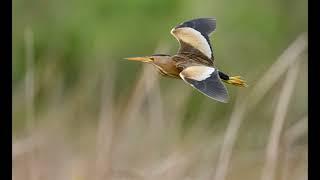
pixel 193 62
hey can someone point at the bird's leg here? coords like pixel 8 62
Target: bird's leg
pixel 234 80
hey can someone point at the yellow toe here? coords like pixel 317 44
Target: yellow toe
pixel 237 81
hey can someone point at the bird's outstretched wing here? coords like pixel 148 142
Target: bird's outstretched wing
pixel 206 80
pixel 193 36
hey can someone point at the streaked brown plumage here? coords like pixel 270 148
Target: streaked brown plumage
pixel 193 62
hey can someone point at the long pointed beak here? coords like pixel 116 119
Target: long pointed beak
pixel 142 59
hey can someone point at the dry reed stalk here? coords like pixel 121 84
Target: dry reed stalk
pixel 155 106
pixel 105 127
pixel 29 95
pixel 29 80
pixel 132 114
pixel 139 94
pixel 143 88
pixel 22 146
pixel 269 169
pixel 131 118
pixel 147 88
pixel 176 165
pixel 170 168
pixel 296 130
pixel 293 133
pixel 289 56
pixel 155 109
pixel 229 140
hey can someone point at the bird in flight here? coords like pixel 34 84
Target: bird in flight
pixel 194 61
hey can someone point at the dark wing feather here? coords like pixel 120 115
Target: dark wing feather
pixel 193 36
pixel 206 80
pixel 204 25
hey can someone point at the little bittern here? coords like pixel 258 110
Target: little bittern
pixel 193 62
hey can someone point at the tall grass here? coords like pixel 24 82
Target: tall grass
pixel 140 136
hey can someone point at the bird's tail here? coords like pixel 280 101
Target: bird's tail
pixel 236 81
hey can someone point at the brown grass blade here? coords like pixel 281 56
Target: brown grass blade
pixel 289 56
pixel 269 168
pixel 29 81
pixel 105 133
pixel 294 132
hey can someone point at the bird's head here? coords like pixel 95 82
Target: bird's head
pixel 155 58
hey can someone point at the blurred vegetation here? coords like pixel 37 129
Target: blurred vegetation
pixel 79 46
pixel 74 35
pixel 79 32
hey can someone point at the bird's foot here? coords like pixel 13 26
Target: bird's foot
pixel 237 81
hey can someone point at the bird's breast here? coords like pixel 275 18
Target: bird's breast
pixel 168 69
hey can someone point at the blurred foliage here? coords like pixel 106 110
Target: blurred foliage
pixel 82 32
pixel 72 38
pixel 86 96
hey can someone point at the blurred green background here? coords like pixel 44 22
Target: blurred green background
pixel 73 35
pixel 78 44
pixel 249 32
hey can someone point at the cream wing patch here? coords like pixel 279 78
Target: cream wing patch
pixel 198 73
pixel 206 80
pixel 194 38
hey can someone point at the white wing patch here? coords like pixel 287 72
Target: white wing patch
pixel 194 38
pixel 206 80
pixel 198 73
